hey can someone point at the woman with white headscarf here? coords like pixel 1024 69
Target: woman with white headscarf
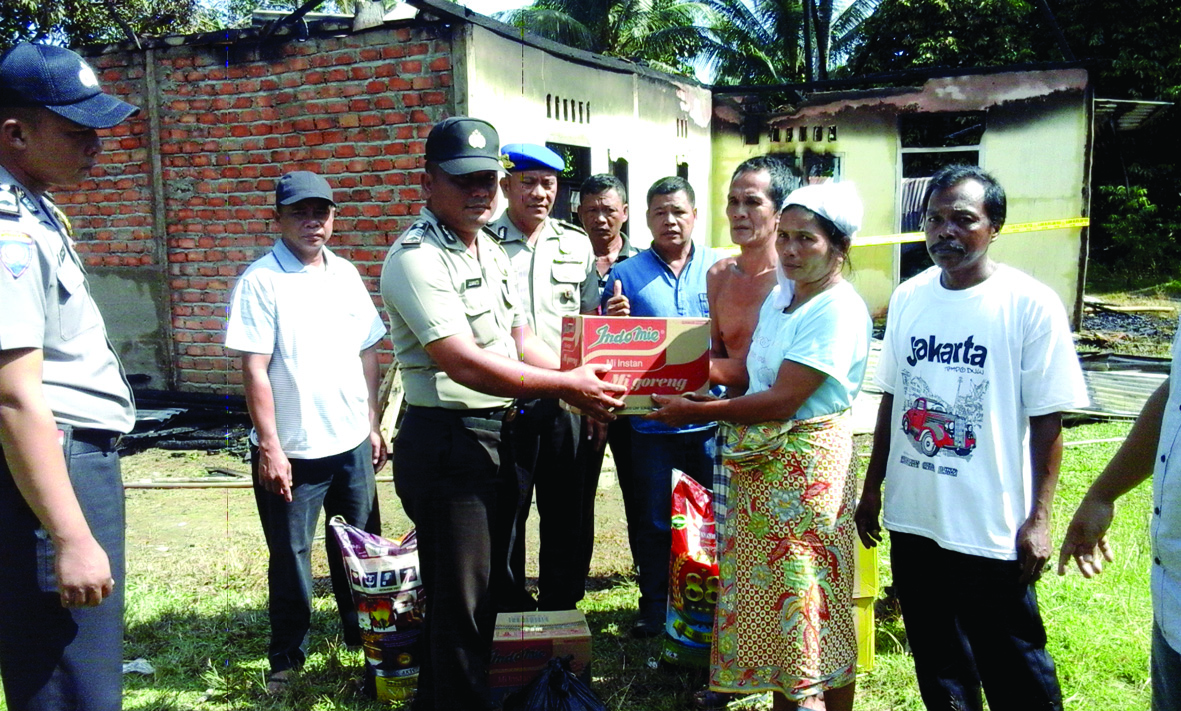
pixel 784 618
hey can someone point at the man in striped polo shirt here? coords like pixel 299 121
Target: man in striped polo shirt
pixel 308 333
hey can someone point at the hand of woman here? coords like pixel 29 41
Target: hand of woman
pixel 679 410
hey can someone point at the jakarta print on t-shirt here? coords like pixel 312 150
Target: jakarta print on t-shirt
pixel 941 424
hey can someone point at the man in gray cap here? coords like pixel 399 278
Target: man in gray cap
pixel 308 333
pixel 462 340
pixel 553 261
pixel 64 401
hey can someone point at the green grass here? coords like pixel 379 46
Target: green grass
pixel 197 612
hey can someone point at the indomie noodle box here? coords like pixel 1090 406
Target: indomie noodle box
pixel 650 356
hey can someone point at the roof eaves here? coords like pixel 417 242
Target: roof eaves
pixel 878 81
pixel 579 56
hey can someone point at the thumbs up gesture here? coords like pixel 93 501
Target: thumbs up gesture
pixel 618 305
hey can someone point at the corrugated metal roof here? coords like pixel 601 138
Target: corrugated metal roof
pixel 1117 385
pixel 1128 115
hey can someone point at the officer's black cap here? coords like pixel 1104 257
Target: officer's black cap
pixel 461 145
pixel 61 81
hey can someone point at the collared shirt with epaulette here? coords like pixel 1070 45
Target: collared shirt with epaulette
pixel 48 306
pixel 434 287
pixel 555 274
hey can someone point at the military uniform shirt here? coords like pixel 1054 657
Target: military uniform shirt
pixel 554 275
pixel 47 305
pixel 433 287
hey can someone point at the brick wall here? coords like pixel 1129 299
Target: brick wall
pixel 355 109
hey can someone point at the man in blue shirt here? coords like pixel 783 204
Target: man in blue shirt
pixel 667 280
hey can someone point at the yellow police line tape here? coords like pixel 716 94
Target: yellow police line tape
pixel 903 237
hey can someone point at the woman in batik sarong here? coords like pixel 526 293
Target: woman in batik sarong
pixel 784 618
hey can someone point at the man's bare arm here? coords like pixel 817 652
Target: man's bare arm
pixel 1045 456
pixel 28 434
pixel 274 469
pixel 473 367
pixel 535 351
pixel 372 370
pixel 1086 536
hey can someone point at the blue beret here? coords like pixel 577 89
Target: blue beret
pixel 530 156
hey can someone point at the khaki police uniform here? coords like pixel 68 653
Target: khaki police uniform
pixel 434 288
pixel 555 276
pixel 48 306
pixel 451 471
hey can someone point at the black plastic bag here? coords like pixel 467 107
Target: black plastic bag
pixel 555 689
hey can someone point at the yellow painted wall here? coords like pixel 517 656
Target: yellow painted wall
pixel 867 144
pixel 632 116
pixel 1037 150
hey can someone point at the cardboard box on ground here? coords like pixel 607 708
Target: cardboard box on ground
pixel 524 642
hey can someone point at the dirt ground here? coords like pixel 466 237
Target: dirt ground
pixel 1117 324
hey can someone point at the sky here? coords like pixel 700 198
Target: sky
pixel 490 7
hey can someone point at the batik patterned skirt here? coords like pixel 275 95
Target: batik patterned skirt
pixel 784 619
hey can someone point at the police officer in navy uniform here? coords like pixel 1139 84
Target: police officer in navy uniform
pixel 554 263
pixel 465 350
pixel 64 401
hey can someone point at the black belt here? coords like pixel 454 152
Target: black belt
pixel 106 440
pixel 499 414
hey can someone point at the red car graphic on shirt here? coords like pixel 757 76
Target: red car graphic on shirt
pixel 934 428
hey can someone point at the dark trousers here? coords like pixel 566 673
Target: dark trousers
pixel 971 624
pixel 342 485
pixel 649 511
pixel 590 466
pixel 548 449
pixel 1166 673
pixel 454 474
pixel 53 658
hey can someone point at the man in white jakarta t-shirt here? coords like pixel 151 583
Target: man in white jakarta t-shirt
pixel 977 366
pixel 308 331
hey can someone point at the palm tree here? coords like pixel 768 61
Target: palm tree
pixel 780 41
pixel 665 33
pixel 757 43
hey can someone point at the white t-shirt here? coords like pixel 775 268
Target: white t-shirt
pixel 313 322
pixel 830 333
pixel 968 369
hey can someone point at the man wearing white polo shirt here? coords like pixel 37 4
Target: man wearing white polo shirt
pixel 308 332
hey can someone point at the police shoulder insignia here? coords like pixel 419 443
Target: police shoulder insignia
pixel 9 205
pixel 564 226
pixel 416 234
pixel 62 219
pixel 16 253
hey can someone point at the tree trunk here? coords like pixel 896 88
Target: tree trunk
pixel 823 26
pixel 809 74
